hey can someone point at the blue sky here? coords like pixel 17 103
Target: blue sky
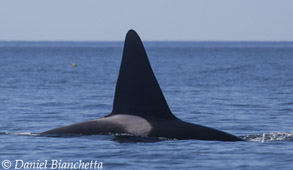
pixel 163 20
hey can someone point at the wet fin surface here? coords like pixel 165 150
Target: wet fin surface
pixel 137 90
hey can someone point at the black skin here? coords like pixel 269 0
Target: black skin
pixel 173 128
pixel 139 94
pixel 178 129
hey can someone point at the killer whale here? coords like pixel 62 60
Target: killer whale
pixel 139 106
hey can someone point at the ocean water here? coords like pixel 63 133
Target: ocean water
pixel 243 88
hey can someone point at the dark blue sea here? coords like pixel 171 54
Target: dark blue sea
pixel 243 88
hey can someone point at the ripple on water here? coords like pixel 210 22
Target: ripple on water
pixel 270 137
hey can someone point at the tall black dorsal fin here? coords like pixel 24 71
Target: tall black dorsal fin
pixel 137 90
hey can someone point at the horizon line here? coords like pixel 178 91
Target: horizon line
pixel 119 41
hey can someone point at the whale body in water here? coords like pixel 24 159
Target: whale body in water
pixel 139 107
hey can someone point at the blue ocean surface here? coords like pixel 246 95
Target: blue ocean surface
pixel 243 88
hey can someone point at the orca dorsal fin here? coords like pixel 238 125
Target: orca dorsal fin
pixel 137 90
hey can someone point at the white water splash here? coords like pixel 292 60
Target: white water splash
pixel 272 136
pixel 20 134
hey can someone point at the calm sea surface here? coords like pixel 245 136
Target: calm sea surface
pixel 243 88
